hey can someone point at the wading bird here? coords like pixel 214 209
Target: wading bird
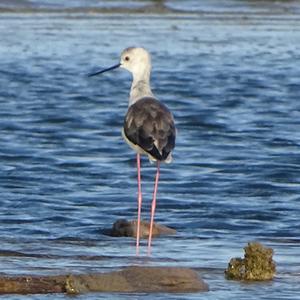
pixel 148 126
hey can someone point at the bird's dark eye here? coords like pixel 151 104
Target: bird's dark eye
pixel 127 58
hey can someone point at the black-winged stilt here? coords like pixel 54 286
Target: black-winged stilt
pixel 148 126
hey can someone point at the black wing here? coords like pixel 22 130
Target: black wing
pixel 150 125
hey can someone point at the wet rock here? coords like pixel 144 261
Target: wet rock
pixel 75 285
pixel 130 279
pixel 128 228
pixel 32 284
pixel 141 279
pixel 257 264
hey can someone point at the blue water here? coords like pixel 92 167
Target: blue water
pixel 232 82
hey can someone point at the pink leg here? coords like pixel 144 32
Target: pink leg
pixel 153 206
pixel 138 161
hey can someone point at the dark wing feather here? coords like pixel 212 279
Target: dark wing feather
pixel 150 125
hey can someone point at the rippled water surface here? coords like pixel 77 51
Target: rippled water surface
pixel 66 174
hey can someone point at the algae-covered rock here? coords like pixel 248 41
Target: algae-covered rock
pixel 257 264
pixel 236 269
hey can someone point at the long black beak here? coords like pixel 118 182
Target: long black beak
pixel 105 70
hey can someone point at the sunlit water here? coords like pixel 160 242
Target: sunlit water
pixel 66 174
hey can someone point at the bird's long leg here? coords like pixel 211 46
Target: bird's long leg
pixel 153 206
pixel 138 226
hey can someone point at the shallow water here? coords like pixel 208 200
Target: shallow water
pixel 66 175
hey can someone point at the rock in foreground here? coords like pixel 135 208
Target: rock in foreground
pixel 257 264
pixel 140 279
pixel 130 279
pixel 128 228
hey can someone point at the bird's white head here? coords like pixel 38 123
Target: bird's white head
pixel 136 60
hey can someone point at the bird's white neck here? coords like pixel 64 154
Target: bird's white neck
pixel 140 86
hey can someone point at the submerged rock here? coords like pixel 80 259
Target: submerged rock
pixel 128 228
pixel 131 279
pixel 257 264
